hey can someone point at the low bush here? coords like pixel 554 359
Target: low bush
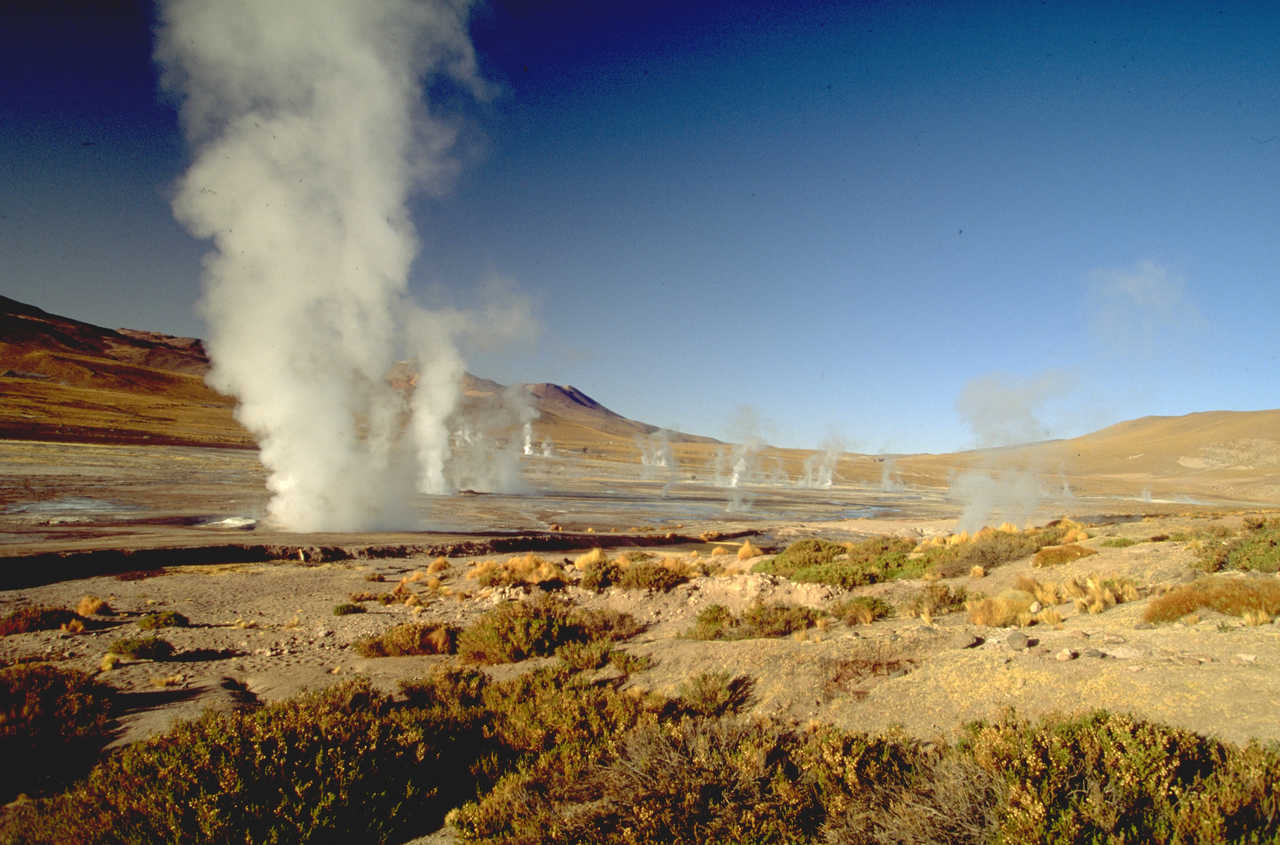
pixel 717 622
pixel 866 562
pixel 142 648
pixel 1257 549
pixel 164 619
pixel 1058 555
pixel 342 765
pixel 1234 596
pixel 347 608
pixel 861 610
pixel 990 548
pixel 1119 542
pixel 936 600
pixel 410 639
pixel 536 628
pixel 27 619
pixel 53 722
pixel 716 693
pixel 651 575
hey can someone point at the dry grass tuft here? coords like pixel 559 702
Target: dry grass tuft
pixel 936 600
pixel 748 550
pixel 977 572
pixel 1234 596
pixel 859 610
pixel 1012 607
pixel 410 639
pixel 527 569
pixel 719 550
pixel 1058 555
pixel 590 559
pixel 440 564
pixel 92 606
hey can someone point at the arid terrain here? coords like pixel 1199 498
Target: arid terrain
pixel 122 477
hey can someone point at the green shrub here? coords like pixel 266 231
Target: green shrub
pixel 717 622
pixel 536 628
pixel 802 554
pixel 341 765
pixel 413 638
pixel 1105 777
pixel 1257 549
pixel 142 648
pixel 29 619
pixel 52 723
pixel 1119 542
pixel 582 656
pixel 650 575
pixel 166 619
pixel 348 608
pixel 856 564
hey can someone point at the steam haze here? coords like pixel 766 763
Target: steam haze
pixel 309 133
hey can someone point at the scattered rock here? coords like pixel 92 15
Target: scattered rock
pixel 1065 655
pixel 1247 658
pixel 1093 652
pixel 971 641
pixel 1143 626
pixel 1017 641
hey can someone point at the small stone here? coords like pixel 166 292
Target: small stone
pixel 1035 607
pixel 1017 641
pixel 1093 652
pixel 1247 658
pixel 1065 655
pixel 1114 639
pixel 972 641
pixel 1143 626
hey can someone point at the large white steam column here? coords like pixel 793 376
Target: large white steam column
pixel 309 131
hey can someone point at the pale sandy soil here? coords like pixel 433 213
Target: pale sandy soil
pixel 268 630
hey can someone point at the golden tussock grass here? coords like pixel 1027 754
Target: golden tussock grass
pixel 1012 607
pixel 92 606
pixel 521 569
pixel 1234 596
pixel 748 550
pixel 595 557
pixel 1092 595
pixel 440 564
pixel 719 550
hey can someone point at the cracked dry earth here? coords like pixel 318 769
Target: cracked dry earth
pixel 267 631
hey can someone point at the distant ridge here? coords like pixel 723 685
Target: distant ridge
pixel 65 379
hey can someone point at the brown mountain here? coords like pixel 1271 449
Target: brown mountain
pixel 64 379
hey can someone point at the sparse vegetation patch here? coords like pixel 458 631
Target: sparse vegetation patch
pixel 29 619
pixel 142 648
pixel 410 639
pixel 536 628
pixel 778 619
pixel 1257 549
pixel 164 619
pixel 861 610
pixel 1235 596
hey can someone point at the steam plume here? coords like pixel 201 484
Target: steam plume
pixel 308 132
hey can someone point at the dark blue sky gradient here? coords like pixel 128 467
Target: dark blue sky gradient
pixel 837 215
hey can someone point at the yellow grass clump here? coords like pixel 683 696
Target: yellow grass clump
pixel 1007 528
pixel 92 606
pixel 1012 607
pixel 595 557
pixel 521 569
pixel 977 572
pixel 748 550
pixel 440 564
pixel 719 550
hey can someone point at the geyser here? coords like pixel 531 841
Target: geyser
pixel 309 131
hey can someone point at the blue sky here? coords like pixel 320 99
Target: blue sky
pixel 847 219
